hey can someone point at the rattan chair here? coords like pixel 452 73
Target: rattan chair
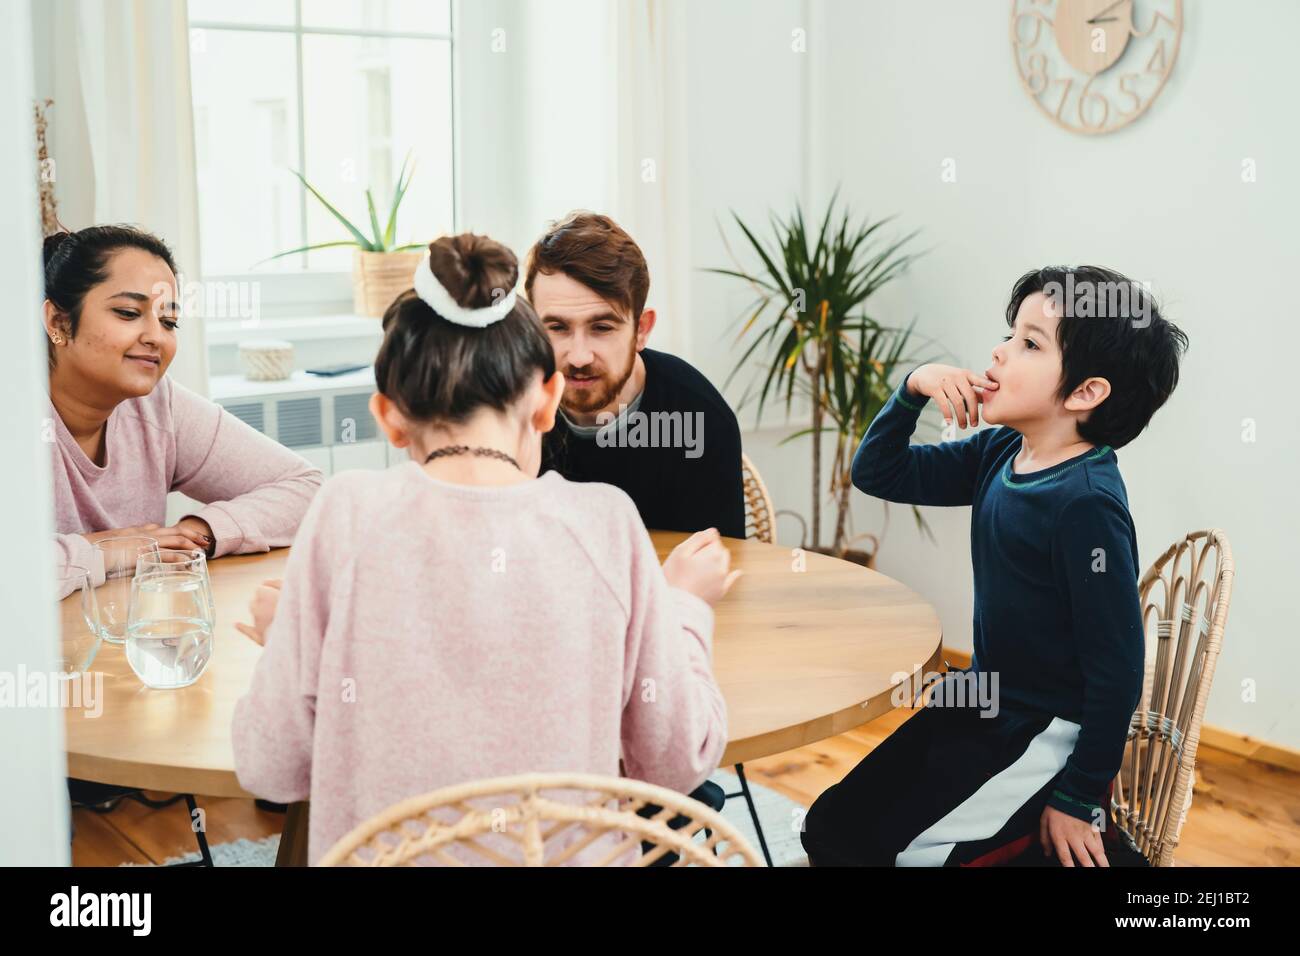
pixel 1153 790
pixel 760 524
pixel 542 819
pixel 760 514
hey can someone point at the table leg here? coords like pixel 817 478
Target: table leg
pixel 293 840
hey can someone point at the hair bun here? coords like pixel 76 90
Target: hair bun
pixel 475 270
pixel 52 244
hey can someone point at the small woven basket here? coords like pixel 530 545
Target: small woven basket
pixel 266 360
pixel 380 277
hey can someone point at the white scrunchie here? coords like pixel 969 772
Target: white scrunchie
pixel 436 296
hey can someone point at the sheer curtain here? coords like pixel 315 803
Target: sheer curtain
pixel 123 120
pixel 652 182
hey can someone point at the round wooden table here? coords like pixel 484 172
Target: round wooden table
pixel 805 647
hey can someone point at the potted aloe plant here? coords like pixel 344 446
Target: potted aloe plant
pixel 820 342
pixel 381 269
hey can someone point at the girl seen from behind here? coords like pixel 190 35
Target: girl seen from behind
pixel 457 617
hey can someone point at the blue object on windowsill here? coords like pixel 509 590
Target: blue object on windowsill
pixel 341 369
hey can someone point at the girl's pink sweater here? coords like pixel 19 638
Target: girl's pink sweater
pixel 430 634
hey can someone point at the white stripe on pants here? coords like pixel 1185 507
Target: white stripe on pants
pixel 987 810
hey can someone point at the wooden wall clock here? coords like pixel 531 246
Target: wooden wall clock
pixel 1094 66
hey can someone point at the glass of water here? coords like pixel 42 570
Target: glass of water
pixel 78 621
pixel 119 557
pixel 179 559
pixel 169 628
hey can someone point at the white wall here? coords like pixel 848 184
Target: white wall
pixel 748 150
pixel 754 117
pixel 1162 200
pixel 535 114
pixel 33 797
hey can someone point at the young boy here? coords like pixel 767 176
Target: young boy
pixel 1058 634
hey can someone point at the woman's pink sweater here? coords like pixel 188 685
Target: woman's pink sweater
pixel 172 439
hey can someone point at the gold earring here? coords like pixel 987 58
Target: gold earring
pixel 57 340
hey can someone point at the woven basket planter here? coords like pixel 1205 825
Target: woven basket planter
pixel 380 277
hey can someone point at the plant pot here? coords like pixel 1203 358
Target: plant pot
pixel 865 558
pixel 380 277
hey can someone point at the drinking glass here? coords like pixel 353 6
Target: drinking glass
pixel 78 621
pixel 169 628
pixel 119 556
pixel 180 559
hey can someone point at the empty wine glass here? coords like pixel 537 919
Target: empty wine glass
pixel 78 621
pixel 119 556
pixel 179 559
pixel 169 628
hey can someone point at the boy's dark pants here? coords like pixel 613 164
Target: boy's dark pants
pixel 948 788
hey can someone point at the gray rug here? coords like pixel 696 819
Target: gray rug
pixel 780 816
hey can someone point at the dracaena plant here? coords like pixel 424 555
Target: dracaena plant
pixel 810 324
pixel 853 400
pixel 379 240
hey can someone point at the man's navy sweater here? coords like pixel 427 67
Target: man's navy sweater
pixel 672 491
pixel 1057 611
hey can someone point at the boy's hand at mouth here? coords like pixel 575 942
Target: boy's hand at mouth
pixel 957 391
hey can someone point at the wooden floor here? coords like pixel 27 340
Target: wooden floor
pixel 1244 813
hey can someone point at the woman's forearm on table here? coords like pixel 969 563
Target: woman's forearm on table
pixel 256 490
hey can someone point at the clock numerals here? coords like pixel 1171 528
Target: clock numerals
pixel 1123 88
pixel 1155 22
pixel 1157 62
pixel 1037 71
pixel 1065 94
pixel 1092 70
pixel 1086 97
pixel 1037 19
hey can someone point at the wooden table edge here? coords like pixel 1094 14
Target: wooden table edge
pixel 830 725
pixel 199 781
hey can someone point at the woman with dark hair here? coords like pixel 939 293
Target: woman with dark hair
pixel 458 617
pixel 123 435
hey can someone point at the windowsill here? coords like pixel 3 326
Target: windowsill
pixel 321 327
pixel 226 388
pixel 293 329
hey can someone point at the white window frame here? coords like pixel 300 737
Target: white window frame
pixel 325 293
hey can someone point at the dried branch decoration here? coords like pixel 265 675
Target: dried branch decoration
pixel 45 172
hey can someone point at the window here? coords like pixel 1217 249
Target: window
pixel 342 90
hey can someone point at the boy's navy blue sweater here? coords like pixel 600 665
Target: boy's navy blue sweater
pixel 1057 612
